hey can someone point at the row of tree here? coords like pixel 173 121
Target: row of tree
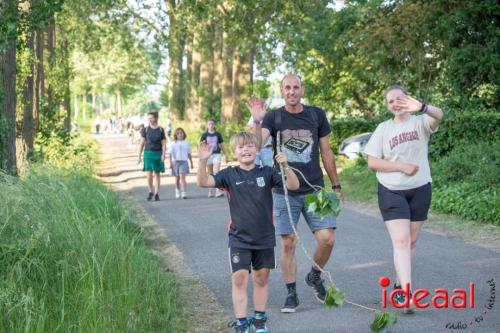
pixel 55 53
pixel 348 52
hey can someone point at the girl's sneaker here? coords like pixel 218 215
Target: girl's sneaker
pixel 258 323
pixel 239 327
pixel 183 195
pixel 150 196
pixel 177 193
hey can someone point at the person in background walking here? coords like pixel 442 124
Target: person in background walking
pixel 265 155
pixel 397 151
pixel 180 152
pixel 215 140
pixel 153 143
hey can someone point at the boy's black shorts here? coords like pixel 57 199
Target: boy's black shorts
pixel 251 259
pixel 412 204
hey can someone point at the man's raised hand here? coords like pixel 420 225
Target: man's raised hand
pixel 204 151
pixel 257 108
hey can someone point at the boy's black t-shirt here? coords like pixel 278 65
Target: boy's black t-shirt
pixel 213 139
pixel 153 137
pixel 250 205
pixel 300 133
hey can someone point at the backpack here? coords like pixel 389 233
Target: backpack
pixel 278 123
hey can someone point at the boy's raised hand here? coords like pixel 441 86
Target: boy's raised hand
pixel 204 151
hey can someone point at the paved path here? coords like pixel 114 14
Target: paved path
pixel 362 254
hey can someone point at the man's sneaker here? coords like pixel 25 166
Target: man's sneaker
pixel 291 302
pixel 316 282
pixel 150 196
pixel 239 327
pixel 177 193
pixel 258 323
pixel 183 195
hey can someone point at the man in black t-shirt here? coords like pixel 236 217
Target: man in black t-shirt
pixel 304 132
pixel 251 231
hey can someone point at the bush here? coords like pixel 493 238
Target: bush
pixel 466 200
pixel 455 130
pixel 346 127
pixel 476 164
pixel 468 128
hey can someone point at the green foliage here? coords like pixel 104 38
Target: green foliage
pixel 467 128
pixel 72 260
pixel 382 321
pixel 466 200
pixel 334 297
pixel 323 203
pixel 79 153
pixel 455 130
pixel 343 128
pixel 467 180
pixel 261 89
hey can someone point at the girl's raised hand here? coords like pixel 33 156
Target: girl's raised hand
pixel 408 104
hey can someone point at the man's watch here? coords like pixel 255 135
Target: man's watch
pixel 336 187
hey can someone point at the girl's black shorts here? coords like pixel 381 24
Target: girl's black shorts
pixel 412 204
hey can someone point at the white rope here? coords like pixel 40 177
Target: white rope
pixel 290 220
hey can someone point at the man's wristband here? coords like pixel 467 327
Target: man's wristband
pixel 336 187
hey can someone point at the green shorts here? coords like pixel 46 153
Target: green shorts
pixel 153 162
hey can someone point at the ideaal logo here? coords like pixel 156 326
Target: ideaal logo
pixel 440 300
pixel 488 306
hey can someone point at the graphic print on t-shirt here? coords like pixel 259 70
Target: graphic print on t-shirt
pixel 402 138
pixel 213 141
pixel 297 144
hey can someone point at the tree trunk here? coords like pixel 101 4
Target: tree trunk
pixel 218 63
pixel 84 107
pixel 189 74
pixel 95 111
pixel 194 116
pixel 38 78
pixel 8 126
pixel 227 78
pixel 241 84
pixel 75 107
pixel 25 139
pixel 50 47
pixel 119 107
pixel 175 52
pixel 206 74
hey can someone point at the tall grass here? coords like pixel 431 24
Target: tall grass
pixel 72 261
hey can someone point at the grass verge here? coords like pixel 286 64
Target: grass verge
pixel 71 260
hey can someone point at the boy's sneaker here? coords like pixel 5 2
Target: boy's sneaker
pixel 210 193
pixel 183 195
pixel 291 302
pixel 150 196
pixel 316 282
pixel 218 193
pixel 258 323
pixel 239 327
pixel 177 193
